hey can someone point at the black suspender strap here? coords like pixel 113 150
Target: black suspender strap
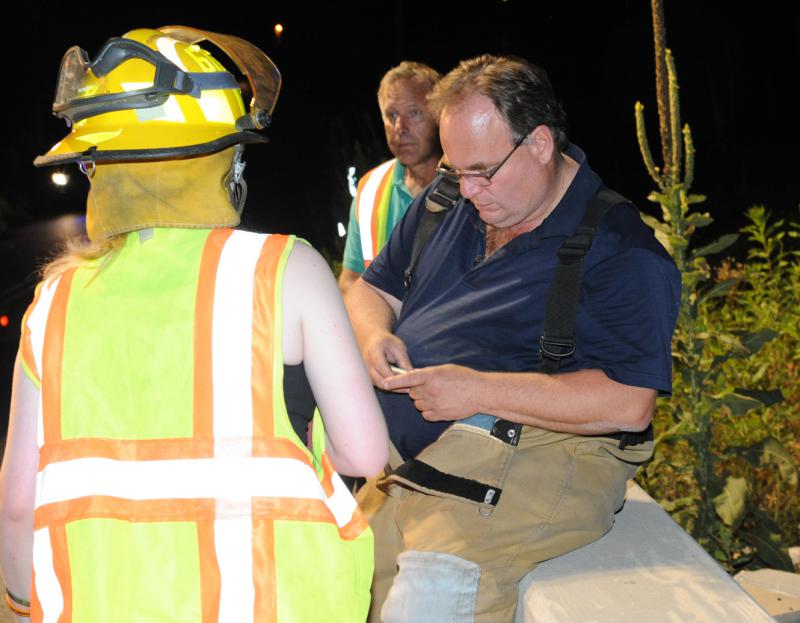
pixel 443 196
pixel 558 335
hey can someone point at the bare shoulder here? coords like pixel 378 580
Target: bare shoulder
pixel 312 300
pixel 305 264
pixel 311 289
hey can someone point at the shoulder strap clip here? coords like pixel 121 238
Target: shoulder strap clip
pixel 442 197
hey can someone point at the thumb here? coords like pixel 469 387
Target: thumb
pixel 399 354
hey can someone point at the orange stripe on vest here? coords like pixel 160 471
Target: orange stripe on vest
pixel 203 392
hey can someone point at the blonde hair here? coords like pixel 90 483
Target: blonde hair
pixel 81 252
pixel 412 71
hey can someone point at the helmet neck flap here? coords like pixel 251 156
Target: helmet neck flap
pixel 194 193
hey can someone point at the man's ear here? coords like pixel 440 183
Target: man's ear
pixel 542 143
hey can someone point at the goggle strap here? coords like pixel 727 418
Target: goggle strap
pixel 117 50
pixel 212 81
pixel 261 72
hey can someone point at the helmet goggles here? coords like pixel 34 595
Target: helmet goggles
pixel 73 104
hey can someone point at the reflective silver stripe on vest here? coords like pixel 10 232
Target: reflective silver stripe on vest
pixel 231 344
pixel 48 590
pixel 234 480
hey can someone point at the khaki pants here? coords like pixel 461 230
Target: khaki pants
pixel 559 492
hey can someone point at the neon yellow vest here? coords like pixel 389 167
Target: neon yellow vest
pixel 171 485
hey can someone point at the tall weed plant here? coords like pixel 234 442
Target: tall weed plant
pixel 724 464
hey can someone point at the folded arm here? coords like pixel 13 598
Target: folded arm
pixel 583 402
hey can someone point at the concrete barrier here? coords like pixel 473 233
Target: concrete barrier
pixel 647 569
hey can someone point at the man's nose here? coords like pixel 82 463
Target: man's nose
pixel 400 125
pixel 467 187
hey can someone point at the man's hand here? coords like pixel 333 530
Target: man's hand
pixel 382 351
pixel 447 392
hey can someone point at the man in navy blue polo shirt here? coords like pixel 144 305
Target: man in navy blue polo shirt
pixel 460 348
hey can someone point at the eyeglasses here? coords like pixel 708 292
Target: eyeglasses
pixel 479 178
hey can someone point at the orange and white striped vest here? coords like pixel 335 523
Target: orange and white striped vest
pixel 372 209
pixel 171 485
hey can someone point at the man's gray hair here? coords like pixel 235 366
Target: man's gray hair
pixel 419 73
pixel 521 92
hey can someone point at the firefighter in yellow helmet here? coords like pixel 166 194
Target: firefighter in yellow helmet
pixel 158 465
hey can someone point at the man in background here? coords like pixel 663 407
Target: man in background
pixel 385 192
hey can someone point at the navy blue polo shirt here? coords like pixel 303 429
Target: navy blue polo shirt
pixel 488 314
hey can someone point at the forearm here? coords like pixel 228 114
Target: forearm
pixel 582 402
pixel 367 462
pixel 369 311
pixel 17 487
pixel 373 314
pixel 16 552
pixel 346 280
pixel 586 402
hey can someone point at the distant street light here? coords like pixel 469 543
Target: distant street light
pixel 278 31
pixel 342 230
pixel 60 179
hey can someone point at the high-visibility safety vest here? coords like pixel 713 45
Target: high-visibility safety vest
pixel 372 208
pixel 171 485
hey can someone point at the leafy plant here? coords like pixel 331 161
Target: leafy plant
pixel 703 475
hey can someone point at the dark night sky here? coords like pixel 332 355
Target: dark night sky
pixel 734 67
